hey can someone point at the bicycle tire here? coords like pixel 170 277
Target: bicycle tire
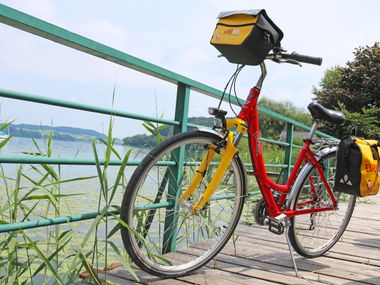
pixel 199 237
pixel 312 235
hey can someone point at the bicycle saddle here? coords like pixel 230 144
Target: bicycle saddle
pixel 322 113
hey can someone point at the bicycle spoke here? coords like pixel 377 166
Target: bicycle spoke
pixel 313 234
pixel 206 231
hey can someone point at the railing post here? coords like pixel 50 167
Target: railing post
pixel 171 219
pixel 182 108
pixel 288 150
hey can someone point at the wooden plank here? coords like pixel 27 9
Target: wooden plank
pixel 111 278
pixel 261 235
pixel 323 265
pixel 272 271
pixel 269 272
pixel 144 277
pixel 207 276
pixel 343 251
pixel 260 257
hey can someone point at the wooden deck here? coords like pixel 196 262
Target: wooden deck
pixel 263 258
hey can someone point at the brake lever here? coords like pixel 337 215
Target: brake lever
pixel 291 61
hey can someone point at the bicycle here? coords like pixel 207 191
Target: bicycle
pixel 184 200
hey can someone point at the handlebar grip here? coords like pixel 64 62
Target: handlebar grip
pixel 303 58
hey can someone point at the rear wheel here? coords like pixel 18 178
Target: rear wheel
pixel 311 235
pixel 163 238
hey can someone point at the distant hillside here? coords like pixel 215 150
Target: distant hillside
pixel 151 140
pixel 270 127
pixel 59 133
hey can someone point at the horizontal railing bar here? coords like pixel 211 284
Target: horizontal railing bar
pixel 87 216
pixel 269 165
pixel 213 198
pixel 276 165
pixel 274 142
pixel 54 33
pixel 297 146
pixel 79 106
pixel 230 196
pixel 69 161
pixel 52 221
pixel 80 161
pixel 261 139
pixel 96 109
pixel 153 206
pixel 61 161
pixel 288 120
pixel 197 126
pixel 253 193
pixel 33 25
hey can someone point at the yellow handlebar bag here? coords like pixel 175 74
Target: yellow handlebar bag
pixel 245 37
pixel 358 167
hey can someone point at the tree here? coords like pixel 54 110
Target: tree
pixel 354 89
pixel 271 127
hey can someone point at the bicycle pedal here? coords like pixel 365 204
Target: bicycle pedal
pixel 275 226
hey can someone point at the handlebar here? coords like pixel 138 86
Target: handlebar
pixel 302 58
pixel 294 58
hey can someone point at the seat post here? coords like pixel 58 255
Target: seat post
pixel 312 130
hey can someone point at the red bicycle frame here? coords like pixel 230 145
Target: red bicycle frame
pixel 249 113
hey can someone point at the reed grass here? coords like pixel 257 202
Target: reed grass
pixel 59 253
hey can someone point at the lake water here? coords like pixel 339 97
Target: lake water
pixel 89 188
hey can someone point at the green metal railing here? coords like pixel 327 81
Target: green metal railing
pixel 185 85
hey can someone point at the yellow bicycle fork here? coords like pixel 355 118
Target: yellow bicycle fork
pixel 227 155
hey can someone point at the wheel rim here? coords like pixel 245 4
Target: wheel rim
pixel 198 237
pixel 316 233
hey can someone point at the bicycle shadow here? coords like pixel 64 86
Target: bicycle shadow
pixel 373 280
pixel 312 270
pixel 366 242
pixel 275 262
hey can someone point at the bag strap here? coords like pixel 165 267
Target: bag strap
pixel 376 156
pixel 374 150
pixel 378 165
pixel 378 159
pixel 347 143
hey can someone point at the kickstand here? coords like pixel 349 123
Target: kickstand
pixel 291 252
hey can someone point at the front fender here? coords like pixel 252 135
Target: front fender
pixel 211 131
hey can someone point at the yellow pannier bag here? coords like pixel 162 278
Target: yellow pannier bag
pixel 246 37
pixel 358 167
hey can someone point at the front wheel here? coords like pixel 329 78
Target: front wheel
pixel 168 240
pixel 312 235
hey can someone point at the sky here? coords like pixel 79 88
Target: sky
pixel 174 35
